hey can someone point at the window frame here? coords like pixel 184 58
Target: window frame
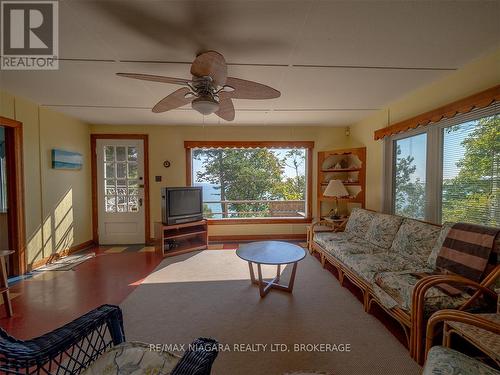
pixel 307 145
pixel 434 160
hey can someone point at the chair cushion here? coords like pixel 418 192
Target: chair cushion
pixel 383 229
pixel 441 360
pixel 133 358
pixel 399 287
pixel 415 240
pixel 359 222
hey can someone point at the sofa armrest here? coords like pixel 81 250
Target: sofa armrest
pixel 322 222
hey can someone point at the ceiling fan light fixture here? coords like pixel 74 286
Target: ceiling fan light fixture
pixel 227 88
pixel 205 105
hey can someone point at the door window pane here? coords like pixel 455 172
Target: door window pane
pixel 110 204
pixel 109 171
pixel 109 153
pixel 121 153
pixel 471 172
pixel 409 176
pixel 132 154
pixel 132 171
pixel 121 179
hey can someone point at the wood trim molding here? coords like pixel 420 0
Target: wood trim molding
pixel 309 145
pixel 249 144
pixel 264 220
pixel 257 237
pixel 189 167
pixel 479 100
pixel 93 159
pixel 15 193
pixel 71 250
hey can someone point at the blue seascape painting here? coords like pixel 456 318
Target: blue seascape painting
pixel 66 160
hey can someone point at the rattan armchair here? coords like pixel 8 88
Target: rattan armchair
pixel 444 316
pixel 418 303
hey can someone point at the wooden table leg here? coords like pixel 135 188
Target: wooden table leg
pixel 262 290
pixel 278 273
pixel 4 287
pixel 292 277
pixel 252 274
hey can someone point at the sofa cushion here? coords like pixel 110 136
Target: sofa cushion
pixel 415 240
pixel 382 230
pixel 441 360
pixel 341 245
pixel 367 266
pixel 325 238
pixel 359 222
pixel 399 287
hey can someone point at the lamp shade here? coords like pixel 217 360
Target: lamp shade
pixel 335 188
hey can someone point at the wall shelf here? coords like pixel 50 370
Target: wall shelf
pixel 353 162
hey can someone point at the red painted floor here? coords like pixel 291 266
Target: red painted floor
pixel 51 299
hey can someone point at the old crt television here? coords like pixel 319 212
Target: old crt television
pixel 181 205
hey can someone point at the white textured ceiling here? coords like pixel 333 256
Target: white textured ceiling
pixel 335 62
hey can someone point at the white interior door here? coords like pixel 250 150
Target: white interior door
pixel 120 186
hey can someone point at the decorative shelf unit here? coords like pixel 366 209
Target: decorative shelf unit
pixel 351 163
pixel 178 239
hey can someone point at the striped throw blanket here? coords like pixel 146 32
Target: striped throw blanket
pixel 467 250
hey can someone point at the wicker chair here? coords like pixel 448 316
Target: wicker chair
pixel 442 359
pixel 74 347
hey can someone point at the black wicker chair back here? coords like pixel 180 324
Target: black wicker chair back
pixel 67 350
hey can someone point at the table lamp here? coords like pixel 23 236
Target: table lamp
pixel 335 189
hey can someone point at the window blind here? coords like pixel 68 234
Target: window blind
pixel 470 186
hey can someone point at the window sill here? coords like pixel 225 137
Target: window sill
pixel 263 220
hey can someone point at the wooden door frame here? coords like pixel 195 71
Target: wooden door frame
pixel 15 193
pixel 93 157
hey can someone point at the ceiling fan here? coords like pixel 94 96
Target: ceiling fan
pixel 210 90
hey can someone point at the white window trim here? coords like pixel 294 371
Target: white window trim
pixel 434 160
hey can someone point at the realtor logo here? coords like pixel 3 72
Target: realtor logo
pixel 29 35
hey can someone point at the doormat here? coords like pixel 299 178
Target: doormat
pixel 67 263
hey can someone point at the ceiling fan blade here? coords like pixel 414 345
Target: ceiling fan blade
pixel 244 89
pixel 153 78
pixel 174 100
pixel 226 109
pixel 211 64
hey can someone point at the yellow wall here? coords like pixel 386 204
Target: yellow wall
pixel 167 143
pixel 479 75
pixel 57 202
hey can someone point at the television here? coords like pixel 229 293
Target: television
pixel 181 205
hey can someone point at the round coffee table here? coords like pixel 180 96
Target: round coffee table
pixel 271 253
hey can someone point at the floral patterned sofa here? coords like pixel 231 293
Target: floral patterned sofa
pixel 381 254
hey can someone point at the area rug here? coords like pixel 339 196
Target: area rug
pixel 321 326
pixel 66 263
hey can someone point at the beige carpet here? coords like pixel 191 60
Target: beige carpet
pixel 208 294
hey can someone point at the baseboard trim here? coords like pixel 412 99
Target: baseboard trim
pixel 256 237
pixel 71 250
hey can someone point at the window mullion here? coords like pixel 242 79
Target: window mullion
pixel 434 167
